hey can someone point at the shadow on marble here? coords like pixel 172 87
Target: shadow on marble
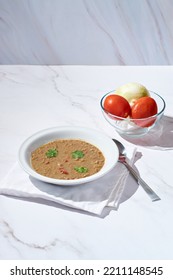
pixel 160 137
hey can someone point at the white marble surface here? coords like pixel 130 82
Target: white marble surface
pixel 111 32
pixel 38 97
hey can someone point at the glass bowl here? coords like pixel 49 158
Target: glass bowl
pixel 134 127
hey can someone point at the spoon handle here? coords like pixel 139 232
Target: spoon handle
pixel 148 190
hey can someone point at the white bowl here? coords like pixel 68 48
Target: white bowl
pixel 100 140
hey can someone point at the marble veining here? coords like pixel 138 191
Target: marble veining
pixel 39 97
pixel 112 32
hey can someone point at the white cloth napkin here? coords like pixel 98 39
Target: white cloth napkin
pixel 92 197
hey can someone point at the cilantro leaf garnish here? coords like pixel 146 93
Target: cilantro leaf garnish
pixel 77 154
pixel 81 169
pixel 51 153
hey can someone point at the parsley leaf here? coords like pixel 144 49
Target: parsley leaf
pixel 51 153
pixel 81 169
pixel 77 154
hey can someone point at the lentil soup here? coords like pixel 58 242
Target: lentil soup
pixel 67 159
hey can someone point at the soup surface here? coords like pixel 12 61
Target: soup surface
pixel 67 159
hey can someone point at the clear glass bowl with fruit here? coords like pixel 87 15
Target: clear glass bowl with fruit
pixel 132 109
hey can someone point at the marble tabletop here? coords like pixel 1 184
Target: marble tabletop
pixel 38 97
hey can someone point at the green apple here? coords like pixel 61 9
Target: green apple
pixel 132 91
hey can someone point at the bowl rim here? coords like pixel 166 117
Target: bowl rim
pixel 121 118
pixel 97 136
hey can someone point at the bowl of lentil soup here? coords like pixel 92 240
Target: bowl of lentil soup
pixel 68 155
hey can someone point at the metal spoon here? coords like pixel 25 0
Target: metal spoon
pixel 122 159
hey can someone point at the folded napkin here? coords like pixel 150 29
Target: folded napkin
pixel 92 197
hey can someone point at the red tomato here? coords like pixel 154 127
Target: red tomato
pixel 144 107
pixel 117 105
